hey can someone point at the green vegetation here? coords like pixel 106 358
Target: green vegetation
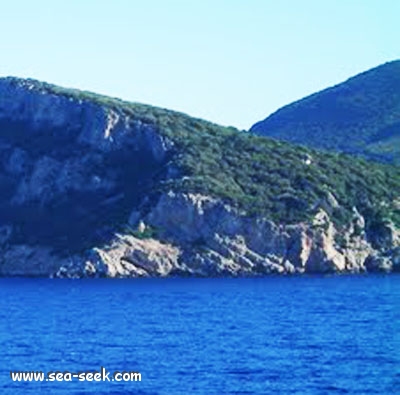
pixel 262 176
pixel 360 116
pixel 279 180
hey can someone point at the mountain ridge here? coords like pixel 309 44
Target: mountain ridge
pixel 360 116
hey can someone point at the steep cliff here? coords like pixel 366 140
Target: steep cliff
pixel 94 186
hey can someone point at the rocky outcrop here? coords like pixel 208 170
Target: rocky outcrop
pixel 82 194
pixel 195 235
pixel 127 256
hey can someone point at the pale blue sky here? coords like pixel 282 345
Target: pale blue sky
pixel 229 61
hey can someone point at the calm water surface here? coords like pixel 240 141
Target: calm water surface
pixel 278 335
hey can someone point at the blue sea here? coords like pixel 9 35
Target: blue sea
pixel 275 335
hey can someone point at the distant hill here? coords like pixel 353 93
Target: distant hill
pixel 359 116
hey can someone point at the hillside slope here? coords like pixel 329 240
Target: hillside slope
pixel 359 116
pixel 94 186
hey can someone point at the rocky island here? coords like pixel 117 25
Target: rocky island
pixel 93 186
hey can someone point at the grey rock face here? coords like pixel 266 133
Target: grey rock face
pixel 70 170
pixel 213 239
pixel 201 236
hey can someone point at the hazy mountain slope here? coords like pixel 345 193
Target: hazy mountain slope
pixel 358 116
pixel 92 185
